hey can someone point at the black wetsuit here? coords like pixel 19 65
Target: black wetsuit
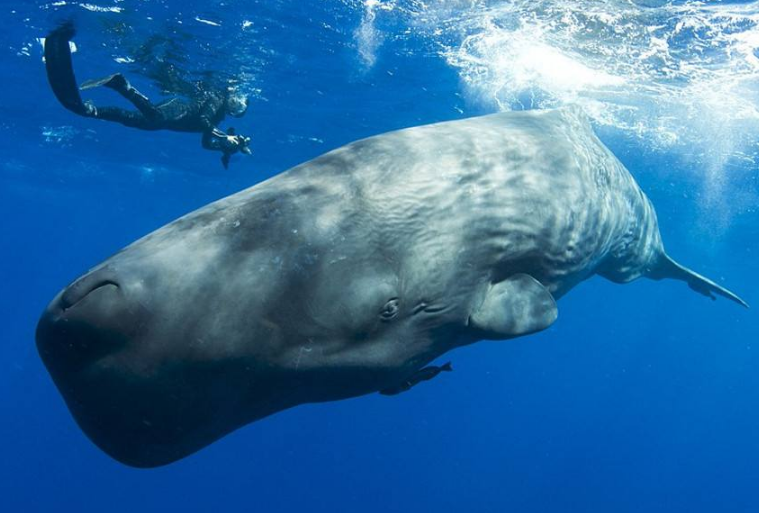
pixel 179 115
pixel 199 115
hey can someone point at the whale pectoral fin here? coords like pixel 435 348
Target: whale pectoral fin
pixel 514 307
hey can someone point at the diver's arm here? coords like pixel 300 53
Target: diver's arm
pixel 209 113
pixel 227 143
pixel 214 139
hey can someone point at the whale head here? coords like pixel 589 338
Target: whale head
pixel 246 307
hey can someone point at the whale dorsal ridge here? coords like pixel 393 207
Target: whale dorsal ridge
pixel 514 307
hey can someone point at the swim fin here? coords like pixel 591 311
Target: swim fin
pixel 109 81
pixel 60 70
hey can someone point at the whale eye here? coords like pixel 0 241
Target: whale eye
pixel 390 309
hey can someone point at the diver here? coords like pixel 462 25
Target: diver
pixel 424 374
pixel 201 114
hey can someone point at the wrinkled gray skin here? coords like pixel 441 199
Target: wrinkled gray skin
pixel 343 276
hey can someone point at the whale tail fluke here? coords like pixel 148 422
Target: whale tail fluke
pixel 668 268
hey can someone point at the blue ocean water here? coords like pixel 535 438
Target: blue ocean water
pixel 640 398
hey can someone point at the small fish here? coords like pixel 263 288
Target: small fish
pixel 424 374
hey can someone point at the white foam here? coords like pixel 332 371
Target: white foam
pixel 207 22
pixel 368 38
pixel 683 78
pixel 98 8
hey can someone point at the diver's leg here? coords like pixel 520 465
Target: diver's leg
pixel 121 85
pixel 128 118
